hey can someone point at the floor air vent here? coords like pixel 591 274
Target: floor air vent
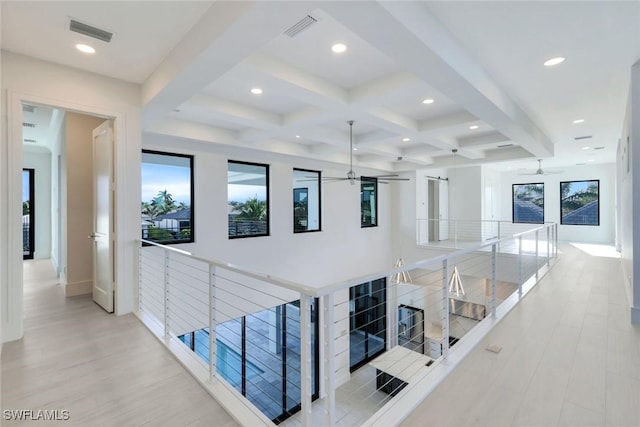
pixel 301 25
pixel 89 30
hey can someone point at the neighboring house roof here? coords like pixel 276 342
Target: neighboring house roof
pixel 527 211
pixel 587 214
pixel 183 214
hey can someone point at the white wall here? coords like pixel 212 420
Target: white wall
pixel 628 163
pixel 45 83
pixel 58 147
pixel 40 161
pixel 604 233
pixel 341 251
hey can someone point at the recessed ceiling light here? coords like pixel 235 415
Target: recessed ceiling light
pixel 355 149
pixel 406 139
pixel 591 160
pixel 474 127
pixel 428 101
pixel 585 148
pixel 256 91
pixel 339 48
pixel 297 136
pixel 85 48
pixel 575 122
pixel 553 61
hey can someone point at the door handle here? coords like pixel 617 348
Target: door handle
pixel 92 236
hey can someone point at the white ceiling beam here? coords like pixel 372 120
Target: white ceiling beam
pixel 432 54
pixel 231 112
pixel 487 139
pixel 204 53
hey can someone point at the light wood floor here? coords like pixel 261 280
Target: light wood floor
pixel 106 370
pixel 570 357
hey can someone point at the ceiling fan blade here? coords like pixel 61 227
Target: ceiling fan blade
pixel 384 176
pixel 395 179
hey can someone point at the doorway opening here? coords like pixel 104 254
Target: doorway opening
pixel 28 213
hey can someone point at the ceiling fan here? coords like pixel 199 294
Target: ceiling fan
pixel 540 171
pixel 351 175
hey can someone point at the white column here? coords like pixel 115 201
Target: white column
pixel 445 308
pixel 212 321
pixel 329 364
pixel 494 275
pixel 306 370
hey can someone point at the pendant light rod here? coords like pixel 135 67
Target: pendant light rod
pixel 350 122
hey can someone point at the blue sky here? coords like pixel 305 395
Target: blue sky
pixel 578 186
pixel 25 186
pixel 174 179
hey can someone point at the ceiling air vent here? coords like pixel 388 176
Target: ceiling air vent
pixel 578 138
pixel 505 145
pixel 30 140
pixel 301 25
pixel 28 125
pixel 89 30
pixel 598 148
pixel 28 108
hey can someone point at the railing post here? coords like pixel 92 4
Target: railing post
pixel 445 308
pixel 499 232
pixel 213 351
pixel 537 253
pixel 494 279
pixel 520 279
pixel 165 311
pixel 306 371
pixel 455 233
pixel 328 324
pixel 548 245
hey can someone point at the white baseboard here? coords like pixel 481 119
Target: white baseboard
pixel 78 288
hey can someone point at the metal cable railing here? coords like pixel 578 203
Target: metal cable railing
pixel 281 345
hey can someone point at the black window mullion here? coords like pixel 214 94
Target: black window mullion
pixel 244 356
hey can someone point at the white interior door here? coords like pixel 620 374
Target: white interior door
pixel 102 215
pixel 443 210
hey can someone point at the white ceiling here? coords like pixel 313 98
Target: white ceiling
pixel 480 61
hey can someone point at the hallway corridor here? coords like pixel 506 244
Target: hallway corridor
pixel 104 369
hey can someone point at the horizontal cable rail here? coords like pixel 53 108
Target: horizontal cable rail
pixel 361 348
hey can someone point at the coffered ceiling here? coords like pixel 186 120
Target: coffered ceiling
pixel 481 63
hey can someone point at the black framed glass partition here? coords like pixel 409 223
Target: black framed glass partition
pixel 368 322
pixel 306 200
pixel 167 197
pixel 580 202
pixel 368 202
pixel 248 199
pixel 259 355
pixel 28 213
pixel 527 201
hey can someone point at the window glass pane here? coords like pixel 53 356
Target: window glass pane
pixel 167 194
pixel 368 202
pixel 528 203
pixel 28 213
pixel 229 352
pixel 248 199
pixel 264 361
pixel 368 330
pixel 306 200
pixel 579 202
